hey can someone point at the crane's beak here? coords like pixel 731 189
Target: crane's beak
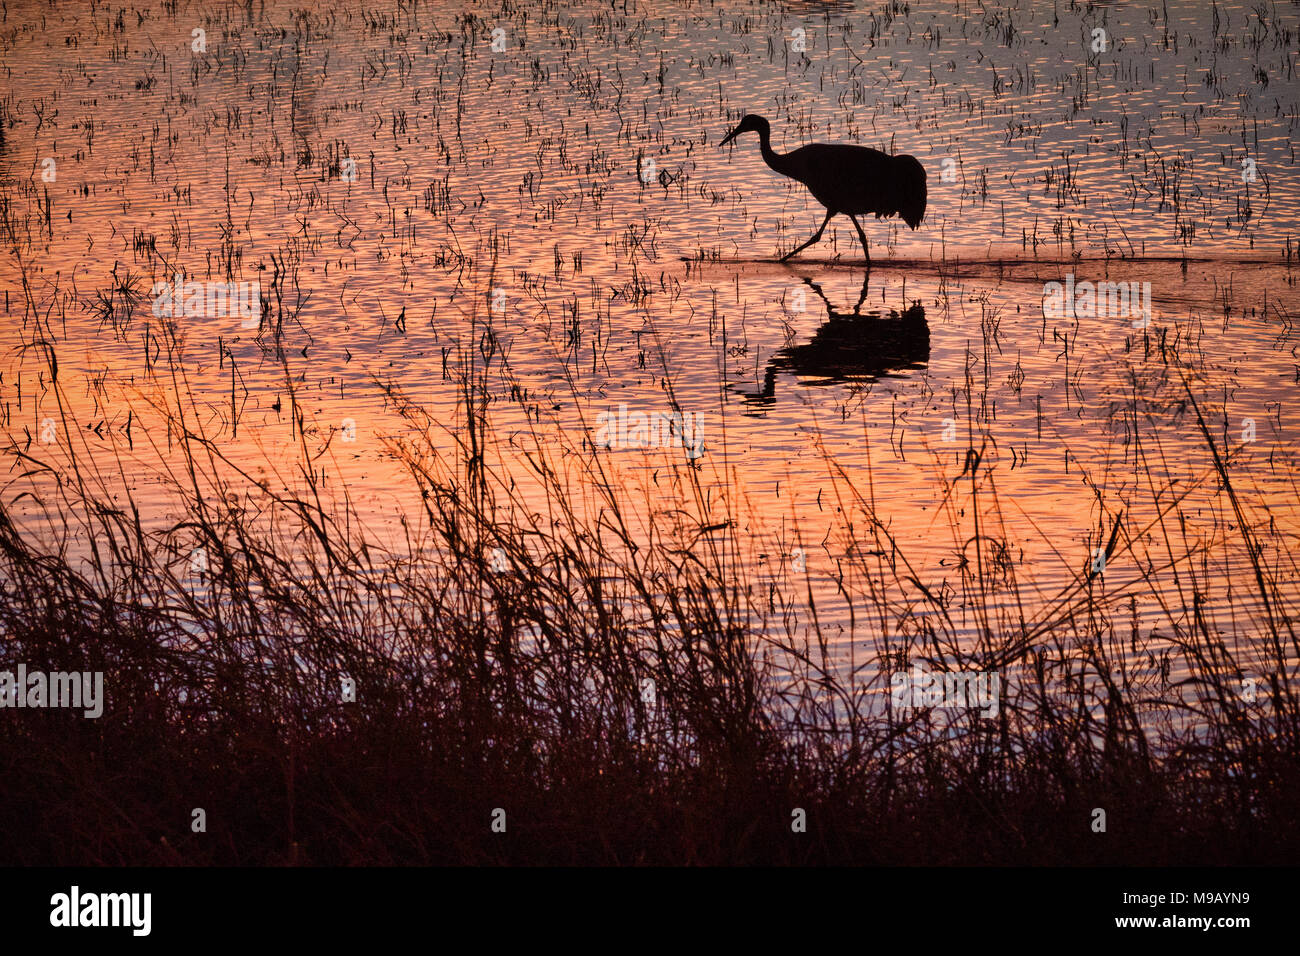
pixel 730 136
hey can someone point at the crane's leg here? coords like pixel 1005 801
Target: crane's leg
pixel 817 235
pixel 862 237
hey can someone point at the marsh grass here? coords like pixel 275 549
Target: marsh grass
pixel 503 653
pixel 526 688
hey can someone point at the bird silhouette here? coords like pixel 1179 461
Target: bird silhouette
pixel 847 180
pixel 850 347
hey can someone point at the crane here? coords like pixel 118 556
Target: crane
pixel 848 180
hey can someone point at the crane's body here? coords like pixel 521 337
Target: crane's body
pixel 853 180
pixel 848 180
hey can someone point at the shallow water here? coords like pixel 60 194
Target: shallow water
pixel 512 190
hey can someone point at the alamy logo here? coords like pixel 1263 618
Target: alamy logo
pixel 949 690
pixel 1107 300
pixel 657 430
pixel 212 300
pixel 75 689
pixel 102 909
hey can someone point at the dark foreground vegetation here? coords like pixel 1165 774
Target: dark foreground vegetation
pixel 529 689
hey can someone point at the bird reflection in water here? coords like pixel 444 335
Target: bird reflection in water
pixel 850 347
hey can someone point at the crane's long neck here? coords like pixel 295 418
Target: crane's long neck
pixel 773 159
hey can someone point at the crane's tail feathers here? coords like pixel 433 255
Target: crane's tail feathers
pixel 911 204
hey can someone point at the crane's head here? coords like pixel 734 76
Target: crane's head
pixel 752 123
pixel 909 182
